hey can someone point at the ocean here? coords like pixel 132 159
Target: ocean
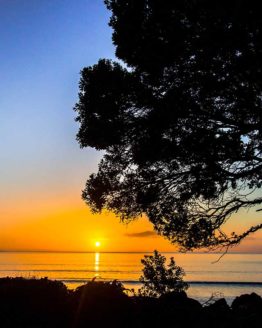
pixel 231 276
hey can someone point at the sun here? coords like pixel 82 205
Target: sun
pixel 97 244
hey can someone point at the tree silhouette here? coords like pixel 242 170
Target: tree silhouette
pixel 158 278
pixel 180 121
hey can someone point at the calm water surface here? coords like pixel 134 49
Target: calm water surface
pixel 233 275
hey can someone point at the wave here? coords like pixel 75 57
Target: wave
pixel 236 283
pixel 63 270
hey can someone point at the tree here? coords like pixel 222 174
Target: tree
pixel 180 122
pixel 159 279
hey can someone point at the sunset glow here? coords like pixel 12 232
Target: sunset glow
pixel 43 169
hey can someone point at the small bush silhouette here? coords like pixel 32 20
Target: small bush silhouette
pixel 159 278
pixel 98 303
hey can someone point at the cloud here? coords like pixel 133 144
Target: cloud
pixel 142 234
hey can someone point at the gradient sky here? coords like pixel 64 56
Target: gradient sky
pixel 44 45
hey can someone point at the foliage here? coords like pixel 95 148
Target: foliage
pixel 34 303
pixel 180 123
pixel 101 304
pixel 44 303
pixel 100 290
pixel 159 279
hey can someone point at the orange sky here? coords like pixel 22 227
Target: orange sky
pixel 60 221
pixel 46 212
pixel 68 225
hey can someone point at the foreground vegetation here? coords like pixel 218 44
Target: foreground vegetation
pixel 45 303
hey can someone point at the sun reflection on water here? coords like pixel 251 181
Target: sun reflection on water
pixel 96 267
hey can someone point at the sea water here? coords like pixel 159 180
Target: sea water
pixel 231 276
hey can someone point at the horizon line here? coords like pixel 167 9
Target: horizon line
pixel 124 252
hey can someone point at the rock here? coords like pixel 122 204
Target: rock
pixel 247 304
pixel 219 306
pixel 174 297
pixel 179 300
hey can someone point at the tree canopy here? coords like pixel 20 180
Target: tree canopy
pixel 178 117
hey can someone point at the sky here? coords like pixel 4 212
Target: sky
pixel 44 45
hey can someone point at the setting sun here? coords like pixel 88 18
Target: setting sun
pixel 97 243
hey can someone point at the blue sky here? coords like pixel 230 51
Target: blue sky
pixel 44 45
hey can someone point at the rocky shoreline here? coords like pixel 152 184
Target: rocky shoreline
pixel 37 303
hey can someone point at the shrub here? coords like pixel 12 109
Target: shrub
pixel 99 303
pixel 159 278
